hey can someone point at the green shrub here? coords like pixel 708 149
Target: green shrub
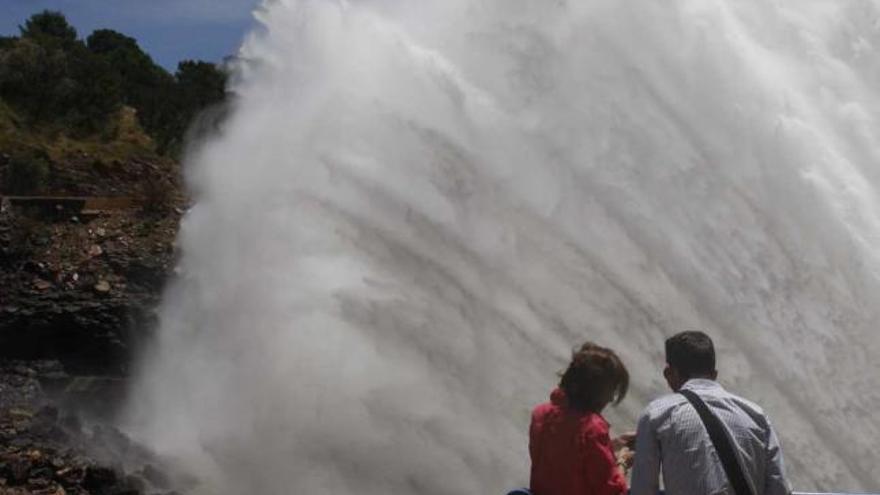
pixel 54 80
pixel 26 174
pixel 48 24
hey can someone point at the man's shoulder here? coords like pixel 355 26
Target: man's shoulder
pixel 711 389
pixel 720 400
pixel 662 405
pixel 665 400
pixel 746 402
pixel 750 408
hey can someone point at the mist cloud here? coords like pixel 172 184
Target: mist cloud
pixel 414 214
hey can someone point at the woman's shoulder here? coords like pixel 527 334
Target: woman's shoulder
pixel 544 410
pixel 556 404
pixel 593 425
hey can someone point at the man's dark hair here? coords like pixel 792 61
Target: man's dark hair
pixel 691 353
pixel 594 376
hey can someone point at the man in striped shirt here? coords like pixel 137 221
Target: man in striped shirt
pixel 671 436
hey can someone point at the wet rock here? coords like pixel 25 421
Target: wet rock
pixel 82 293
pixel 48 414
pixel 156 477
pixel 41 472
pixel 20 414
pixel 15 470
pixel 102 287
pixel 111 440
pixel 99 479
pixel 38 483
pixel 136 483
pixel 71 422
pixel 44 449
pixel 22 370
pixel 20 442
pixel 71 476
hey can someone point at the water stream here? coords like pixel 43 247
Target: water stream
pixel 416 210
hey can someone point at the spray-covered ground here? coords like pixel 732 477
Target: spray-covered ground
pixel 417 209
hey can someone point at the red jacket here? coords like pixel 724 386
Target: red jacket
pixel 571 452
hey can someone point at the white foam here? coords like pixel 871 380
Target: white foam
pixel 415 211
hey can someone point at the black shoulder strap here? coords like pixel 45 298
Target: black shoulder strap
pixel 721 443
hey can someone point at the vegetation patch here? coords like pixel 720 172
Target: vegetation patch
pixel 56 83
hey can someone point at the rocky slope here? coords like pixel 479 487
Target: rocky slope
pixel 80 289
pixel 46 448
pixel 83 259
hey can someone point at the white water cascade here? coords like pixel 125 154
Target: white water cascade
pixel 416 210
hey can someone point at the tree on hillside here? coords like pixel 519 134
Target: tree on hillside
pixel 96 95
pixel 31 76
pixel 137 71
pixel 48 24
pixel 201 84
pixel 108 41
pixel 50 77
pixel 166 104
pixel 197 85
pixel 144 85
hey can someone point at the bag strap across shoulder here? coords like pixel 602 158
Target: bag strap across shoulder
pixel 721 442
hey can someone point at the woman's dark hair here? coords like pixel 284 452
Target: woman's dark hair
pixel 595 376
pixel 691 353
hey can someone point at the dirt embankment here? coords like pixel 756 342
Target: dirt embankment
pixel 84 256
pixel 87 228
pixel 47 448
pixel 81 288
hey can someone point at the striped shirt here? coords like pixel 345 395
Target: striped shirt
pixel 671 437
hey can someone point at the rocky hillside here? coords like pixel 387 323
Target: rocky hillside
pixel 84 255
pixel 90 201
pixel 47 448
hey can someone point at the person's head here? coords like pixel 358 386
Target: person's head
pixel 689 355
pixel 594 378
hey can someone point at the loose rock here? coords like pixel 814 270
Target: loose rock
pixel 102 287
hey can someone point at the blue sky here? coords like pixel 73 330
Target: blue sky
pixel 169 30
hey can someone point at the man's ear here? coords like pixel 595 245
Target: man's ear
pixel 672 378
pixel 714 375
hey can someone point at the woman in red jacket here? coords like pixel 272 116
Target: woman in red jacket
pixel 571 451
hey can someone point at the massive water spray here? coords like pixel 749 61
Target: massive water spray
pixel 416 209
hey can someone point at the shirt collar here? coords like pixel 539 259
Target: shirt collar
pixel 702 384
